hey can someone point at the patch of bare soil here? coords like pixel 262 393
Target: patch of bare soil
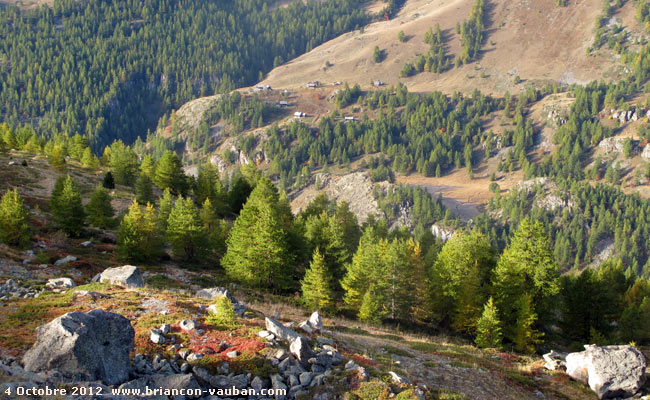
pixel 464 196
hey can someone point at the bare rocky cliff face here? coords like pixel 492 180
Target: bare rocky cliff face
pixel 354 188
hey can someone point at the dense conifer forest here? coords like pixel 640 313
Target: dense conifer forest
pixel 109 70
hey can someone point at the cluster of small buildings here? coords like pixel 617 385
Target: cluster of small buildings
pixel 262 88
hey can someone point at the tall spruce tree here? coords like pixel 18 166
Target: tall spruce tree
pixel 165 205
pixel 357 279
pixel 138 238
pixel 122 161
pixel 456 261
pixel 209 186
pixel 526 268
pixel 109 181
pixel 324 233
pixel 65 204
pixel 144 190
pixel 147 166
pixel 316 286
pixel 169 173
pixel 99 209
pixel 185 231
pixel 258 246
pixel 14 219
pixel 56 158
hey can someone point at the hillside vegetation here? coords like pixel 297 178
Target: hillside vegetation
pixel 472 170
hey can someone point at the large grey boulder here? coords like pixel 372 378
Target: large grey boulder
pixel 301 349
pixel 280 331
pixel 93 345
pixel 127 276
pixel 216 292
pixel 610 371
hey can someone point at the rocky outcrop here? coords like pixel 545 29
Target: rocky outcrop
pixel 216 292
pixel 301 349
pixel 66 283
pixel 93 345
pixel 610 371
pixel 280 331
pixel 441 232
pixel 612 144
pixel 127 276
pixel 555 360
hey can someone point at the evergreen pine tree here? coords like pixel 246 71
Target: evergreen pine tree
pixel 400 287
pixel 324 233
pixel 358 273
pixel 99 209
pixel 123 162
pixel 138 238
pixel 526 267
pixel 238 193
pixel 349 224
pixel 14 219
pixel 8 137
pixel 488 327
pixel 258 246
pixel 209 186
pixel 169 173
pixel 147 166
pixel 56 158
pixel 459 255
pixel 65 204
pixel 165 205
pixel 468 308
pixel 108 181
pixel 144 190
pixel 88 159
pixel 371 309
pixel 316 285
pixel 185 231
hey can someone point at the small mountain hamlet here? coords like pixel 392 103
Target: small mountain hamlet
pixel 327 200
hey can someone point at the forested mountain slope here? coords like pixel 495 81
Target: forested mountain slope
pixel 109 70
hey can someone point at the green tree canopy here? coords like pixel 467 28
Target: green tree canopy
pixel 65 204
pixel 138 237
pixel 526 268
pixel 316 286
pixel 99 208
pixel 258 245
pixel 185 230
pixel 14 219
pixel 169 173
